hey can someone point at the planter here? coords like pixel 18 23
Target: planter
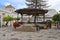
pixel 45 27
pixel 16 24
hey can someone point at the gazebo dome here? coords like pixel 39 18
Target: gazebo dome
pixel 31 11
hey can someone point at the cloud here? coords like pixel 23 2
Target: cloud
pixel 6 4
pixel 55 4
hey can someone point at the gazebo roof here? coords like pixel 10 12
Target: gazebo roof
pixel 31 11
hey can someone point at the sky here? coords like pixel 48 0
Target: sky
pixel 54 4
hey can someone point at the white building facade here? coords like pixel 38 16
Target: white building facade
pixel 7 11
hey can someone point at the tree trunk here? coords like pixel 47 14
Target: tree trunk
pixel 7 23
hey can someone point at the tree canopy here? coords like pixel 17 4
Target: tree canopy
pixel 16 18
pixel 56 17
pixel 7 18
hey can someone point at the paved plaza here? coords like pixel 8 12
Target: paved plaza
pixel 7 33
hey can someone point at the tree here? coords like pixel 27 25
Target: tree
pixel 39 4
pixel 56 18
pixel 7 19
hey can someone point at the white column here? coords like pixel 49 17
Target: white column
pixel 1 19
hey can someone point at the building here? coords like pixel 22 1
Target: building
pixel 7 10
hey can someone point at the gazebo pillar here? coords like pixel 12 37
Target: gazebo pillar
pixel 21 18
pixel 43 17
pixel 17 15
pixel 35 18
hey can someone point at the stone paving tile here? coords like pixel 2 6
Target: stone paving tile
pixel 50 34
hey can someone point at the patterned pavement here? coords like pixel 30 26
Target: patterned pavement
pixel 7 33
